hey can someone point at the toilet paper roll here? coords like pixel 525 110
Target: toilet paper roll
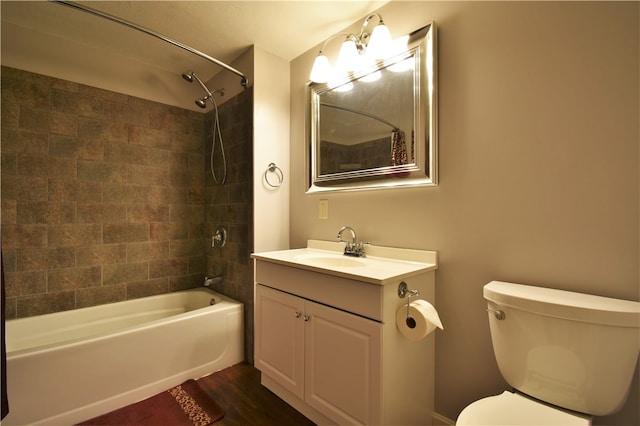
pixel 423 319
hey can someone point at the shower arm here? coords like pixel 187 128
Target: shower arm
pixel 129 24
pixel 204 86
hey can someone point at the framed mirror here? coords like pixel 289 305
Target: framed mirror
pixel 377 128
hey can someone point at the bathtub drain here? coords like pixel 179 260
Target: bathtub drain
pixel 212 301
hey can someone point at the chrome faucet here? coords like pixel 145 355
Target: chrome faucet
pixel 353 248
pixel 345 228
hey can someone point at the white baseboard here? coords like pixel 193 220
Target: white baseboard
pixel 440 420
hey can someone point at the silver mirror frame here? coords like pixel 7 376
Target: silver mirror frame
pixel 424 171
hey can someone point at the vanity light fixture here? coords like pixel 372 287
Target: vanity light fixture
pixel 355 53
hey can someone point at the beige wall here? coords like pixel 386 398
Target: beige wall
pixel 538 141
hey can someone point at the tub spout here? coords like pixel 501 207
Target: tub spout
pixel 210 281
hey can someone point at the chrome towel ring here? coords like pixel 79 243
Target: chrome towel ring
pixel 272 168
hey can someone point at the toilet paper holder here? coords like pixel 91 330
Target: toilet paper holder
pixel 403 291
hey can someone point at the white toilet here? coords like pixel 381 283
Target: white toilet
pixel 568 355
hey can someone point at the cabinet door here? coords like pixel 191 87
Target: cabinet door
pixel 343 365
pixel 279 338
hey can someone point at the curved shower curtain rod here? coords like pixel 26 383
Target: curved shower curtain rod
pixel 117 20
pixel 366 114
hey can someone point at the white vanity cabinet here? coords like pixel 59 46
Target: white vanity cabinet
pixel 324 356
pixel 326 339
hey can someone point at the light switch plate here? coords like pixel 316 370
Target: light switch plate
pixel 323 209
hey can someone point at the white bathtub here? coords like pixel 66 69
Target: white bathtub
pixel 66 367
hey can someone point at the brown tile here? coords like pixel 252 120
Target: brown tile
pixel 167 159
pixel 9 213
pixel 144 175
pixel 149 137
pixel 73 278
pixel 71 146
pixel 10 308
pixel 101 213
pixel 61 123
pixel 66 101
pixel 45 303
pixel 136 111
pixel 198 264
pixel 25 88
pixel 24 141
pixel 185 282
pixel 102 129
pixel 125 193
pixel 24 188
pixel 25 283
pixel 70 190
pixel 147 213
pixel 32 259
pixel 10 115
pixel 63 168
pixel 168 267
pixel 62 257
pixel 24 236
pixel 46 212
pixel 93 296
pixel 101 254
pixel 36 119
pixel 147 288
pixel 125 153
pixel 102 171
pixel 66 85
pixel 187 248
pixel 9 164
pixel 122 273
pixel 125 232
pixel 33 165
pixel 168 195
pixel 9 259
pixel 188 142
pixel 187 213
pixel 74 234
pixel 138 252
pixel 167 231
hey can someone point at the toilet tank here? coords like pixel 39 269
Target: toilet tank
pixel 573 350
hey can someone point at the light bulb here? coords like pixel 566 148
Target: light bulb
pixel 380 44
pixel 321 70
pixel 347 57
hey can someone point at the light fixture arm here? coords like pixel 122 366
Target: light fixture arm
pixel 346 35
pixel 363 38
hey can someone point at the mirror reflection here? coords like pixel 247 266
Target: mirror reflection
pixel 377 128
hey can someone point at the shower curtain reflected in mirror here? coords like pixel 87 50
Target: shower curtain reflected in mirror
pixel 398 148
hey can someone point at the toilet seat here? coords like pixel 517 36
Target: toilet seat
pixel 511 408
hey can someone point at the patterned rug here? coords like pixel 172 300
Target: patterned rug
pixel 184 405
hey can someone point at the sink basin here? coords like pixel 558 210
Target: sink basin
pixel 382 265
pixel 331 261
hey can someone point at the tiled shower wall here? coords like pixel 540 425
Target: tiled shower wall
pixel 231 205
pixel 107 197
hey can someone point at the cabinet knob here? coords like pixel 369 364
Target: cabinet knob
pixel 297 314
pixel 307 318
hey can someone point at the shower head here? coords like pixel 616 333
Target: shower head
pixel 188 76
pixel 202 103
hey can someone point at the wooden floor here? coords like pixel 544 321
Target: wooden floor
pixel 245 401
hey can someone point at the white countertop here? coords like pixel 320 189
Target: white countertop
pixel 382 265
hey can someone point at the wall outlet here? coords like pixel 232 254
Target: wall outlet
pixel 323 209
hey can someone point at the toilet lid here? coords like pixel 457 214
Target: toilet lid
pixel 511 408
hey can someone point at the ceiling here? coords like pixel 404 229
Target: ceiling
pixel 52 39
